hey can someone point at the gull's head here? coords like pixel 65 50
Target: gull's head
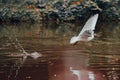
pixel 74 40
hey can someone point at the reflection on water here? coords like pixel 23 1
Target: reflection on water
pixel 58 60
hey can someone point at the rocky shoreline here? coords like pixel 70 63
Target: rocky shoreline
pixel 31 11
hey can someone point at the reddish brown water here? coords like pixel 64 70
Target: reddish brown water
pixel 95 60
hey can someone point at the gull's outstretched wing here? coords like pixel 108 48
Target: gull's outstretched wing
pixel 89 25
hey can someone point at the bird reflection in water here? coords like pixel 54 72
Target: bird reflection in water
pixel 75 72
pixel 78 73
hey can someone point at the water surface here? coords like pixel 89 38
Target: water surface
pixel 95 60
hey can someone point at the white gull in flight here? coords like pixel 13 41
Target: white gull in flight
pixel 87 33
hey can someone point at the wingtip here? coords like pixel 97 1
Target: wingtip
pixel 96 14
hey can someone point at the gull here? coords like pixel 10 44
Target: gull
pixel 87 33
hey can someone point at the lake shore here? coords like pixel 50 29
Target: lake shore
pixel 60 11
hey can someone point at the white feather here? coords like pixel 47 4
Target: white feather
pixel 90 24
pixel 87 33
